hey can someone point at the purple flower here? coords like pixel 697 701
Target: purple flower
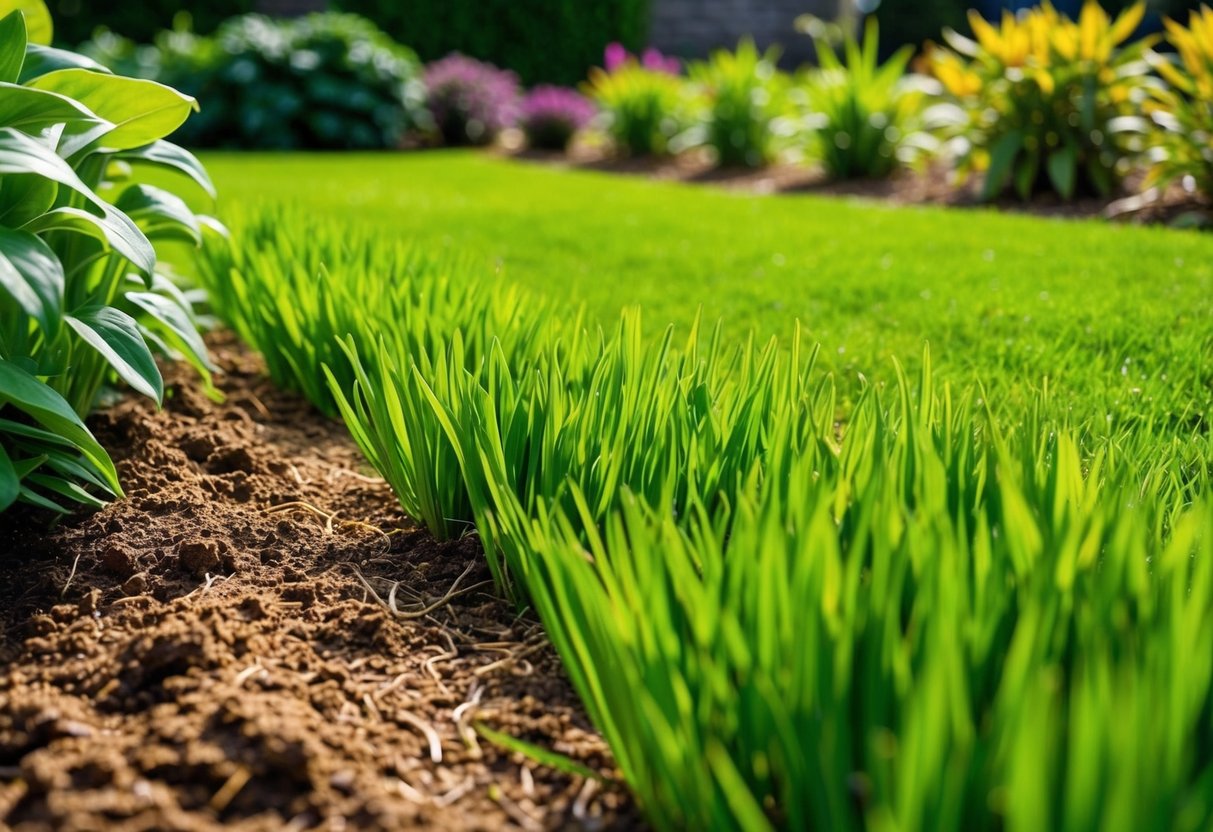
pixel 655 61
pixel 471 101
pixel 615 56
pixel 550 116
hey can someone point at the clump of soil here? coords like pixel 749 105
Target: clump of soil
pixel 215 652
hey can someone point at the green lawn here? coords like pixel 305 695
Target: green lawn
pixel 1119 318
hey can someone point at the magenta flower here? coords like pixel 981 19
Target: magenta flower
pixel 615 56
pixel 551 116
pixel 471 101
pixel 655 61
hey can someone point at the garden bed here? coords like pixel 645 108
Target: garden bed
pixel 207 654
pixel 933 186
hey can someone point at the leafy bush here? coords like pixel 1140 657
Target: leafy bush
pixel 643 102
pixel 745 104
pixel 1044 101
pixel 1182 109
pixel 864 115
pixel 543 41
pixel 551 116
pixel 324 81
pixel 469 101
pixel 77 20
pixel 81 299
pixel 775 625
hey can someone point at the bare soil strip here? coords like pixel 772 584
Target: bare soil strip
pixel 210 653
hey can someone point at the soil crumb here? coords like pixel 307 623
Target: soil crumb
pixel 214 652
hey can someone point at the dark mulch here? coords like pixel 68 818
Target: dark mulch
pixel 930 187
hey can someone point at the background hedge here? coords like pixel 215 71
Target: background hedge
pixel 138 20
pixel 552 41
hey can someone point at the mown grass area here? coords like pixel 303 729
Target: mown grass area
pixel 1115 316
pixel 953 612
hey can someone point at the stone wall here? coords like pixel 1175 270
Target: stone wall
pixel 692 28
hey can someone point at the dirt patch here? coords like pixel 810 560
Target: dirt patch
pixel 930 187
pixel 206 654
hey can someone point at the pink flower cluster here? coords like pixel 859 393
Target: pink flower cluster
pixel 616 56
pixel 550 116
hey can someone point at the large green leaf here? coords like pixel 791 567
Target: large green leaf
pixel 168 155
pixel 32 276
pixel 39 60
pixel 12 46
pixel 46 407
pixel 1001 158
pixel 159 214
pixel 141 111
pixel 114 230
pixel 1063 170
pixel 10 483
pixel 20 153
pixel 168 319
pixel 31 111
pixel 38 25
pixel 24 197
pixel 115 335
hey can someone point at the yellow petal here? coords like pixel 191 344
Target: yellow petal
pixel 1127 23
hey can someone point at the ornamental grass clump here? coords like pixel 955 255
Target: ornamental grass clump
pixel 931 611
pixel 864 117
pixel 551 116
pixel 84 301
pixel 1045 102
pixel 1181 145
pixel 643 100
pixel 743 105
pixel 470 101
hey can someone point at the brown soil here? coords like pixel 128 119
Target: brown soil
pixel 930 187
pixel 205 654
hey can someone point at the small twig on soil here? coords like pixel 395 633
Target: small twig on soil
pixel 409 792
pixel 370 706
pixel 228 791
pixel 510 659
pixel 515 811
pixel 452 593
pixel 329 518
pixel 211 580
pixel 454 794
pixel 527 780
pixel 71 575
pixel 582 803
pixel 463 716
pixel 248 673
pixel 426 730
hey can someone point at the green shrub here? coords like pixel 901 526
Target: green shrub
pixel 324 81
pixel 77 20
pixel 864 116
pixel 543 41
pixel 744 106
pixel 82 301
pixel 1045 102
pixel 644 105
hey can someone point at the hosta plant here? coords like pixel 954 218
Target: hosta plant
pixel 864 116
pixel 1181 145
pixel 1046 102
pixel 82 302
pixel 643 102
pixel 744 105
